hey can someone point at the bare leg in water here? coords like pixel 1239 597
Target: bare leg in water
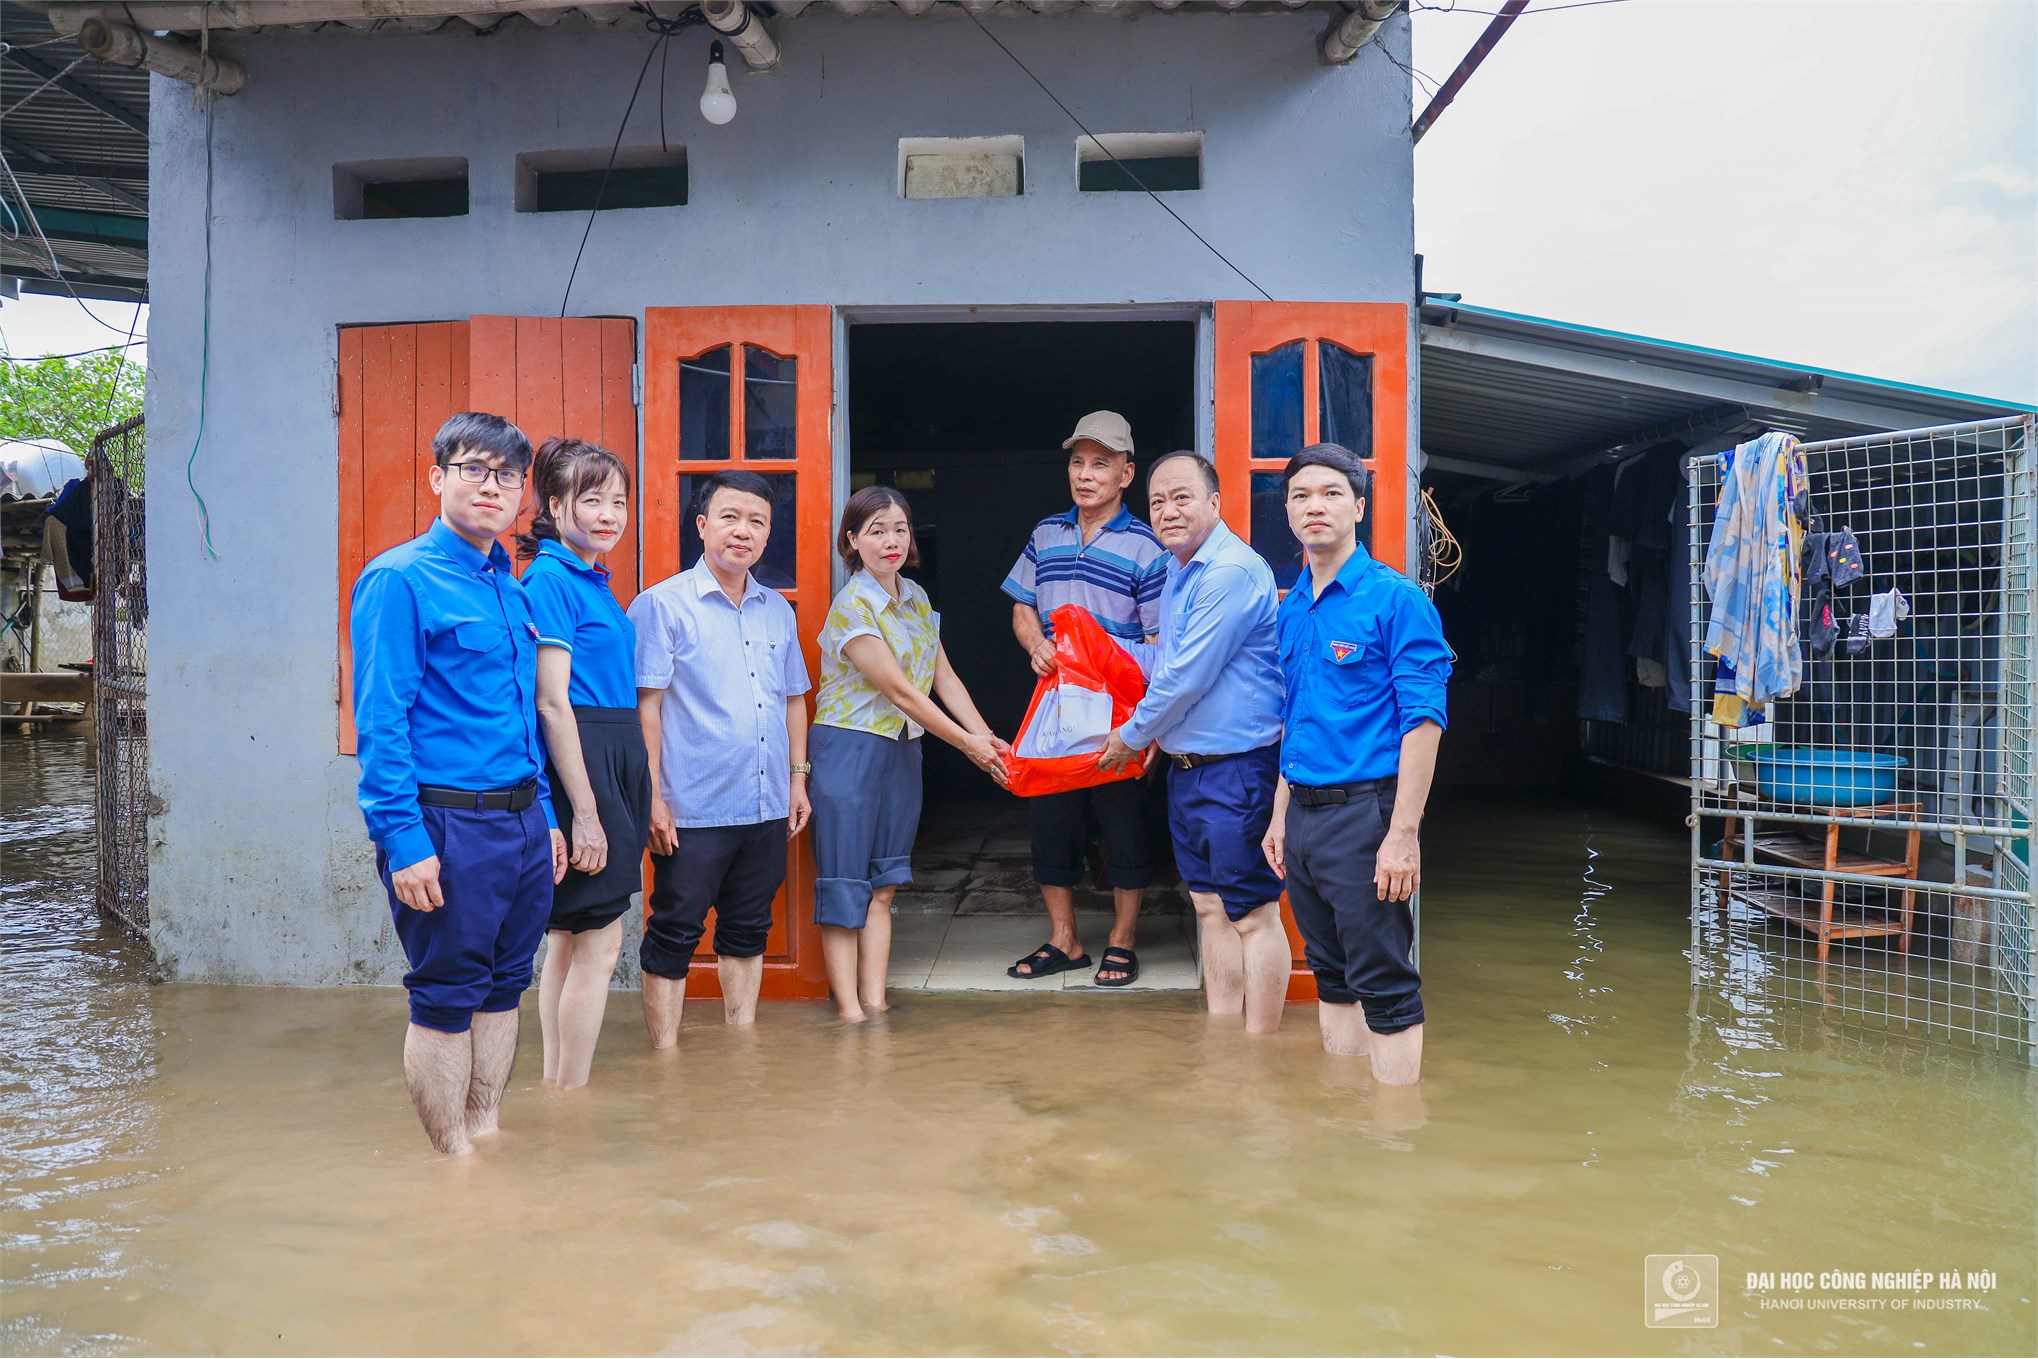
pixel 664 998
pixel 1222 955
pixel 589 962
pixel 1263 947
pixel 874 952
pixel 438 1068
pixel 742 979
pixel 839 952
pixel 558 962
pixel 495 1052
pixel 1344 1029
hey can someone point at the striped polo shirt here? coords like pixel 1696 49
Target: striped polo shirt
pixel 1117 575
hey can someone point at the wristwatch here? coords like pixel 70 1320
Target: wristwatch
pixel 803 768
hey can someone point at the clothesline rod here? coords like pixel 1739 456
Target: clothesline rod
pixel 1964 429
pixel 1856 822
pixel 1919 885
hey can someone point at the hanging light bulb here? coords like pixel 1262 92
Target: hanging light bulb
pixel 718 102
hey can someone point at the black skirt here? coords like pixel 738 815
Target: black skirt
pixel 612 749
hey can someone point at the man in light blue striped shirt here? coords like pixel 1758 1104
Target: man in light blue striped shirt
pixel 1099 557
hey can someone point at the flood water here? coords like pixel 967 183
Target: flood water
pixel 192 1169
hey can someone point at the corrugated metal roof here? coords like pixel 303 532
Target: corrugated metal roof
pixel 1522 392
pixel 75 134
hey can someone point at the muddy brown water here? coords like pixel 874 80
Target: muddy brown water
pixel 195 1169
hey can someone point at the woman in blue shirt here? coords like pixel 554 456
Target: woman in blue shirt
pixel 587 701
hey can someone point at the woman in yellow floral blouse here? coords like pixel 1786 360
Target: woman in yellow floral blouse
pixel 881 658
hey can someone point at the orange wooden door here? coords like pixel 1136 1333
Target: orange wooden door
pixel 1290 374
pixel 397 385
pixel 570 377
pixel 750 387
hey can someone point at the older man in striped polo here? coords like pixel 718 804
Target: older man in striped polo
pixel 1097 556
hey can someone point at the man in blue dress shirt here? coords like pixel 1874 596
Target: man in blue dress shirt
pixel 1366 668
pixel 721 691
pixel 1213 704
pixel 453 776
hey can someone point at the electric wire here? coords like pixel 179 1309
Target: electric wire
pixel 113 387
pixel 1446 555
pixel 55 268
pixel 664 29
pixel 1494 13
pixel 129 343
pixel 1096 141
pixel 40 88
pixel 204 348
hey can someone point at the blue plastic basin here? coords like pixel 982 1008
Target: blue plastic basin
pixel 1815 777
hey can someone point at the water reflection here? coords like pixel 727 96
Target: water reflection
pixel 236 1170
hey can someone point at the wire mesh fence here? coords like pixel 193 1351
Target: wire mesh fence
pixel 1864 841
pixel 120 675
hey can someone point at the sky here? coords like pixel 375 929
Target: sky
pixel 1847 185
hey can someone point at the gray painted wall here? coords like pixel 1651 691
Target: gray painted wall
pixel 261 871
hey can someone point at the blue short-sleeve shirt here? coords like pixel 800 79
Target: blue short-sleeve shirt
pixel 576 610
pixel 1117 575
pixel 1363 663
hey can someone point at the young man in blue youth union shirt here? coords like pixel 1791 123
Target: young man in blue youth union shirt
pixel 453 776
pixel 1364 667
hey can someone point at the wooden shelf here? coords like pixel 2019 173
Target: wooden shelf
pixel 1798 851
pixel 1817 849
pixel 1848 922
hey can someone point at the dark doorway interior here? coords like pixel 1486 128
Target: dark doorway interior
pixel 967 420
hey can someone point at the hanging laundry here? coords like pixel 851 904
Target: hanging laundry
pixel 1754 572
pixel 1843 558
pixel 1885 611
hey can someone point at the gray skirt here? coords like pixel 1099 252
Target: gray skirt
pixel 866 795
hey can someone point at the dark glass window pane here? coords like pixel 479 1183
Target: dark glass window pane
pixel 1272 538
pixel 1277 402
pixel 1129 175
pixel 704 405
pixel 624 186
pixel 1345 398
pixel 770 403
pixel 775 568
pixel 415 198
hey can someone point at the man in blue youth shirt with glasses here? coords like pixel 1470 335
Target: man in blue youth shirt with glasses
pixel 1365 667
pixel 453 776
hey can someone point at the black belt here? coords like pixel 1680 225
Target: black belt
pixel 1336 794
pixel 1195 761
pixel 487 800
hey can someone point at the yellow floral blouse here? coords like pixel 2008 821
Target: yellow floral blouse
pixel 908 625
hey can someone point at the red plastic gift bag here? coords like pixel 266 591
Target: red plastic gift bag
pixel 1093 690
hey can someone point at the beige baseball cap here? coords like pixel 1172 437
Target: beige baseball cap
pixel 1105 427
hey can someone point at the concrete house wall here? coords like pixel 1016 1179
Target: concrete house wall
pixel 261 870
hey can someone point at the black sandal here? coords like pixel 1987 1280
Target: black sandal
pixel 1046 961
pixel 1118 960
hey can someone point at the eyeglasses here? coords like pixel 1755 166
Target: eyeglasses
pixel 509 478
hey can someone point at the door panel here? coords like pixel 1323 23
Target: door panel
pixel 1290 374
pixel 749 387
pixel 397 385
